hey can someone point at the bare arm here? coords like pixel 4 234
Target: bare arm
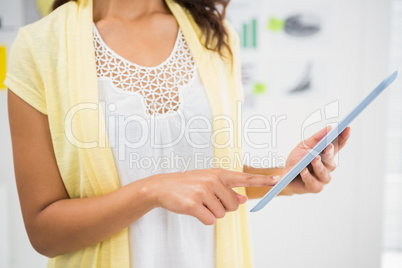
pixel 58 225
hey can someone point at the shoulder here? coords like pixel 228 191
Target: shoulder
pixel 57 16
pixel 36 54
pixel 41 41
pixel 49 28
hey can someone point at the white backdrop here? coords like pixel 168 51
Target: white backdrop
pixel 341 227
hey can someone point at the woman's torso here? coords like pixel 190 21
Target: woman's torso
pixel 152 116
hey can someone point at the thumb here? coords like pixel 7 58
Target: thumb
pixel 313 140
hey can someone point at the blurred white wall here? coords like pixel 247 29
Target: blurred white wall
pixel 341 227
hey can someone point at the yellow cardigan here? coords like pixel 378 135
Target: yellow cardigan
pixel 52 67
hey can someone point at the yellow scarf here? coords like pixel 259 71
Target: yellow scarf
pixel 66 90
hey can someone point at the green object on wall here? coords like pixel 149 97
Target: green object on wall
pixel 275 24
pixel 259 88
pixel 254 35
pixel 249 34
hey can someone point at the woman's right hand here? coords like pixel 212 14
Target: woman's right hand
pixel 205 194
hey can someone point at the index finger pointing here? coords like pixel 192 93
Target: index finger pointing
pixel 239 179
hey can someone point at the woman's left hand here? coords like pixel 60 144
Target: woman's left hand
pixel 313 178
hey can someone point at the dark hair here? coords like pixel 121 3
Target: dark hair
pixel 208 14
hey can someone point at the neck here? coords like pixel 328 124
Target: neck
pixel 128 10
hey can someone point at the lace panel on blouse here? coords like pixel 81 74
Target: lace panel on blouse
pixel 159 86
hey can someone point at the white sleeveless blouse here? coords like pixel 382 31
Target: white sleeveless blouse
pixel 152 117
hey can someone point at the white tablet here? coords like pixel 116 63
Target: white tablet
pixel 323 143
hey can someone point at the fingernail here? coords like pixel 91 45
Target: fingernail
pixel 326 150
pixel 329 148
pixel 276 177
